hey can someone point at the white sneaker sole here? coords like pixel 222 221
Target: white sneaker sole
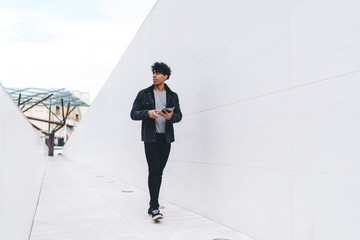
pixel 157 217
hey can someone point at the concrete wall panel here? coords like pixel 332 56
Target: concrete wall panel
pixel 22 166
pixel 326 129
pixel 323 39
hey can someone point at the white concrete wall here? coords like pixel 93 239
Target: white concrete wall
pixel 22 165
pixel 270 92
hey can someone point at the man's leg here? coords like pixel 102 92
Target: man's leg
pixel 164 150
pixel 154 168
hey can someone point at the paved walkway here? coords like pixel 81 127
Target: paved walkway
pixel 83 204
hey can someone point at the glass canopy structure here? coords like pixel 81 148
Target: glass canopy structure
pixel 30 96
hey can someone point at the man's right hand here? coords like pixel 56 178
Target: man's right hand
pixel 154 114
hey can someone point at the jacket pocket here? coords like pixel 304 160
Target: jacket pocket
pixel 146 104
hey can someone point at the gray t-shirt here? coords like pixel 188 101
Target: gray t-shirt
pixel 160 103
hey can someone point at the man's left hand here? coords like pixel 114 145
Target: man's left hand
pixel 166 115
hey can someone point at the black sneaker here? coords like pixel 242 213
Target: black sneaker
pixel 156 215
pixel 150 210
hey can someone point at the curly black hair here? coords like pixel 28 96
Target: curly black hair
pixel 160 67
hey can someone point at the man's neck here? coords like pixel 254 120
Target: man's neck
pixel 159 87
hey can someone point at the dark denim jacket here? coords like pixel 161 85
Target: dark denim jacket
pixel 145 101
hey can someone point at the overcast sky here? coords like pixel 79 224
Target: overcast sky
pixel 66 43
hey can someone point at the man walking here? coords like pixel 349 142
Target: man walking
pixel 158 107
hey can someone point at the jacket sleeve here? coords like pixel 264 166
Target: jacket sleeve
pixel 137 111
pixel 177 115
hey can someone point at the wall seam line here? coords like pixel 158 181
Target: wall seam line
pixel 273 92
pixel 38 200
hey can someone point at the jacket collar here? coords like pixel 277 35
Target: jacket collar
pixel 168 90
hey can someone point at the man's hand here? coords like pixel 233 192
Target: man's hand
pixel 154 114
pixel 167 115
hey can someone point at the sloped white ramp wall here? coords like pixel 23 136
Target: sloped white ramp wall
pixel 270 92
pixel 22 166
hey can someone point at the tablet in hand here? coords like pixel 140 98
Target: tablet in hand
pixel 170 109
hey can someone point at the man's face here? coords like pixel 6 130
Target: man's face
pixel 159 78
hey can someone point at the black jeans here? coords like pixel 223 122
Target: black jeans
pixel 157 154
